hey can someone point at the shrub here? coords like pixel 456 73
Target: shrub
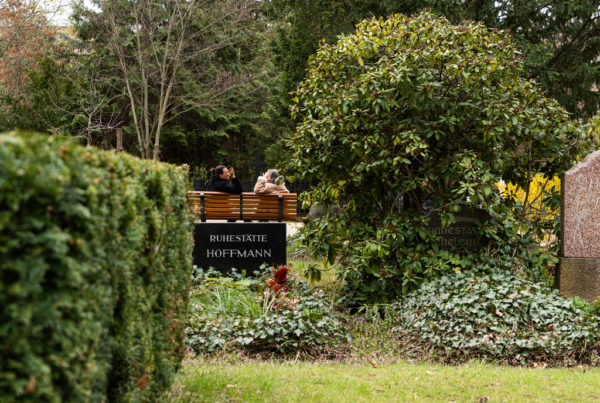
pixel 95 261
pixel 497 317
pixel 411 117
pixel 591 308
pixel 301 322
pixel 538 206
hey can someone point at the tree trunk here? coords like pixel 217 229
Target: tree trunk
pixel 119 140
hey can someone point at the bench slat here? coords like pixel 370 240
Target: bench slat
pixel 219 205
pixel 263 211
pixel 247 211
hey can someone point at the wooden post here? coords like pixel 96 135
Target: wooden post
pixel 279 207
pixel 119 140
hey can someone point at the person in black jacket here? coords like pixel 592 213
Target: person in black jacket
pixel 224 180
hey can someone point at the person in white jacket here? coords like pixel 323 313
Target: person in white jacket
pixel 270 182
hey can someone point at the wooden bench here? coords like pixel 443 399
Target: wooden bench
pixel 245 206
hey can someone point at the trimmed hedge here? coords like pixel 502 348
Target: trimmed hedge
pixel 95 262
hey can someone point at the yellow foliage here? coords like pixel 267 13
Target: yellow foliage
pixel 532 202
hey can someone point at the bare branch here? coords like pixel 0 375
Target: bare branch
pixel 158 48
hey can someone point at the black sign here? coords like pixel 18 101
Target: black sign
pixel 245 246
pixel 461 236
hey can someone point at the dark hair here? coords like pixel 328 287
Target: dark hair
pixel 218 170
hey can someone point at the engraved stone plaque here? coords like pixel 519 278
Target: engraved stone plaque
pixel 461 236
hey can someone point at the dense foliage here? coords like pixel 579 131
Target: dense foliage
pixel 167 58
pixel 25 36
pixel 246 315
pixel 496 317
pixel 231 95
pixel 559 39
pixel 215 111
pixel 410 117
pixel 95 259
pixel 539 205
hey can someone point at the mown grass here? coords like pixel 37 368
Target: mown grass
pixel 222 381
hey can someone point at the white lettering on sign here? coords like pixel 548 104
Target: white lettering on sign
pixel 460 242
pixel 233 253
pixel 454 231
pixel 238 238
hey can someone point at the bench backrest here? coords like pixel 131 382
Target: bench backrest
pixel 244 206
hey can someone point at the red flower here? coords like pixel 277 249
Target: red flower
pixel 280 275
pixel 276 283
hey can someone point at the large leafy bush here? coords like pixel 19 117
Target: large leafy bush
pixel 95 260
pixel 410 117
pixel 498 317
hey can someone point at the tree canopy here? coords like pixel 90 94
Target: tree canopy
pixel 160 57
pixel 558 38
pixel 25 36
pixel 225 97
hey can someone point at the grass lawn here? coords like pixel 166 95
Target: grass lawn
pixel 222 381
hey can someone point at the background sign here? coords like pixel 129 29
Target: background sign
pixel 462 236
pixel 240 245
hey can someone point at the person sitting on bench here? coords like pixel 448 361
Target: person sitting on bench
pixel 270 182
pixel 224 180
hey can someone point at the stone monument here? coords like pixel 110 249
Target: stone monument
pixel 461 236
pixel 579 271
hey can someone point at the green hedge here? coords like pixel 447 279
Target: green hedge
pixel 95 261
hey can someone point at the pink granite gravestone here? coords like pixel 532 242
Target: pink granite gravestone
pixel 580 236
pixel 581 209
